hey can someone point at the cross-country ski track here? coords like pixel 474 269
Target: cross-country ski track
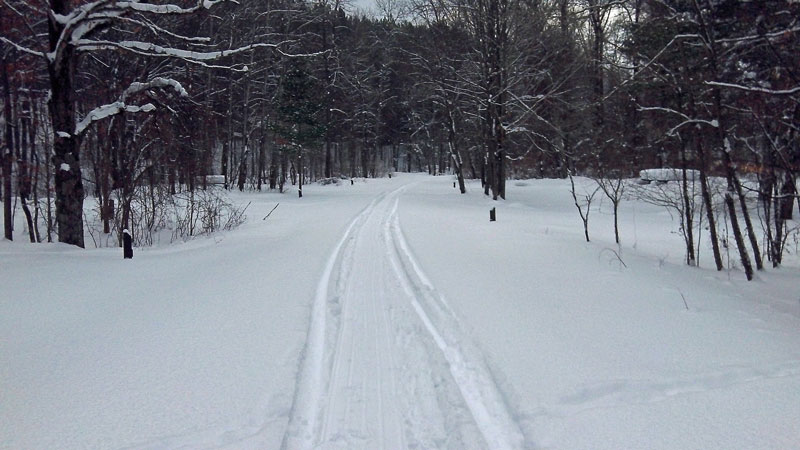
pixel 390 313
pixel 385 364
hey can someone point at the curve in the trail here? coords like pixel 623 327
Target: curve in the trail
pixel 386 364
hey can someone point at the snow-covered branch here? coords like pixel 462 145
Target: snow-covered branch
pixel 686 119
pixel 711 123
pixel 151 49
pixel 156 30
pixel 666 110
pixel 169 9
pixel 21 47
pixel 102 112
pixel 780 34
pixel 84 19
pixel 792 91
pixel 158 82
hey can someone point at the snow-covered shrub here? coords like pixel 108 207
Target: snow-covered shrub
pixel 204 212
pixel 666 174
pixel 157 217
pixel 327 181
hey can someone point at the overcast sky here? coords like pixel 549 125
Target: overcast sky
pixel 365 5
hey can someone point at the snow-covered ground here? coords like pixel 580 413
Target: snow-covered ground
pixel 393 314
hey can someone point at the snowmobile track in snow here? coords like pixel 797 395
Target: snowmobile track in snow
pixel 385 364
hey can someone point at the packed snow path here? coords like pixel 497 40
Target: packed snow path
pixel 385 364
pixel 202 344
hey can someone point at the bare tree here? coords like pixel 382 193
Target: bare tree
pixel 73 31
pixel 583 202
pixel 613 186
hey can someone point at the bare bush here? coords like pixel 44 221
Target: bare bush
pixel 157 216
pixel 204 212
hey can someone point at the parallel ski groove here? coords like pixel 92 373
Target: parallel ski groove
pixel 472 376
pixel 348 396
pixel 302 427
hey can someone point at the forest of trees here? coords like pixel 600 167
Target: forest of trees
pixel 131 102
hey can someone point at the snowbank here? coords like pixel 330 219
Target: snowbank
pixel 201 344
pixel 665 175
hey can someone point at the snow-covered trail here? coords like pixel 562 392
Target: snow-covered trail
pixel 391 313
pixel 385 365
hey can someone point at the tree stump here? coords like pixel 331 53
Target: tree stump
pixel 127 244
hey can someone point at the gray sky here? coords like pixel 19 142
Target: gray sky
pixel 363 5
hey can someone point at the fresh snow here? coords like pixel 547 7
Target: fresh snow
pixel 393 314
pixel 667 174
pixel 102 112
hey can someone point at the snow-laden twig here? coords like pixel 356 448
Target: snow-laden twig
pixel 102 112
pixel 121 105
pixel 156 30
pixel 792 91
pixel 22 48
pixel 84 19
pixel 151 49
pixel 686 119
pixel 158 82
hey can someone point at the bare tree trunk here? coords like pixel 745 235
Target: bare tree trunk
pixel 23 168
pixel 273 167
pixel 455 154
pixel 47 177
pixel 616 220
pixel 35 181
pixel 588 199
pixel 245 152
pixel 242 176
pixel 328 154
pixel 707 201
pixel 365 159
pixel 8 156
pixel 488 172
pixel 300 173
pixel 688 208
pixel 788 193
pixel 497 22
pixel 224 168
pixel 778 211
pixel 283 168
pixel 596 12
pixel 751 234
pixel 228 146
pixel 353 164
pixel 262 145
pixel 66 146
pixel 733 188
pixel 737 235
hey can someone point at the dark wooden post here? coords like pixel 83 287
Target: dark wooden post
pixel 492 216
pixel 127 245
